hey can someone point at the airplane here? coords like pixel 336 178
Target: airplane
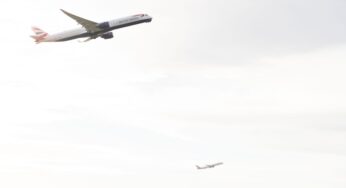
pixel 208 166
pixel 89 29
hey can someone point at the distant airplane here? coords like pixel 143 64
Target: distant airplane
pixel 208 166
pixel 89 29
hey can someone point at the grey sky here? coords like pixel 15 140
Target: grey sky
pixel 255 84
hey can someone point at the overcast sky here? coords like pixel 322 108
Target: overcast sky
pixel 258 85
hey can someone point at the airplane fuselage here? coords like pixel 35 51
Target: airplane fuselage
pixel 208 166
pixel 104 29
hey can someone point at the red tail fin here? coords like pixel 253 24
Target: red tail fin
pixel 40 35
pixel 37 30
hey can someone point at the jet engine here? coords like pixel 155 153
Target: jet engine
pixel 108 35
pixel 103 25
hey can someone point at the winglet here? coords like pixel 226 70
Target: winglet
pixel 69 14
pixel 65 12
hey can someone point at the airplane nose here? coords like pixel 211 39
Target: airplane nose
pixel 150 18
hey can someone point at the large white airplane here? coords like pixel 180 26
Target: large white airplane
pixel 208 166
pixel 89 29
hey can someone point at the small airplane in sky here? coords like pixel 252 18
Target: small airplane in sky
pixel 89 29
pixel 208 166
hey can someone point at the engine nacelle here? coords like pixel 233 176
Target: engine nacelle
pixel 107 35
pixel 103 25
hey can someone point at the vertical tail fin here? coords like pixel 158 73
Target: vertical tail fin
pixel 37 30
pixel 40 35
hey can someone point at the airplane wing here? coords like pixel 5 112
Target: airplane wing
pixel 216 164
pixel 90 26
